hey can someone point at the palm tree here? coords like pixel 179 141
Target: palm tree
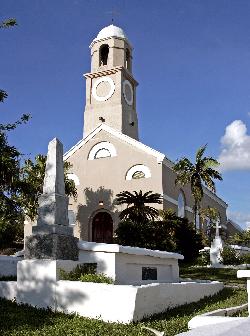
pixel 197 174
pixel 136 209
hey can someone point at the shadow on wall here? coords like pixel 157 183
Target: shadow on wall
pixel 37 286
pixel 95 200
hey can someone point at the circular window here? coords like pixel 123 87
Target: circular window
pixel 127 92
pixel 103 88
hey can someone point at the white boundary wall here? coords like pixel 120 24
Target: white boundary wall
pixel 124 303
pixel 38 285
pixel 8 265
pixel 8 289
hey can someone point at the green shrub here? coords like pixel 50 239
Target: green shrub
pixel 152 235
pixel 98 278
pixel 203 259
pixel 76 273
pixel 85 273
pixel 246 258
pixel 230 256
pixel 173 234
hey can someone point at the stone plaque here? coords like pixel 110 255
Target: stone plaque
pixel 149 273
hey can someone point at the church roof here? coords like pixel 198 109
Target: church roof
pixel 110 31
pixel 161 158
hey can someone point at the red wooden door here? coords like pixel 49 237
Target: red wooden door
pixel 102 228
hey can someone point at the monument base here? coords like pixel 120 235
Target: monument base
pixel 51 246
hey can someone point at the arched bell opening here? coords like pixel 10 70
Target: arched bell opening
pixel 104 53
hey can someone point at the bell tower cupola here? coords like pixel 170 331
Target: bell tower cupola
pixel 110 86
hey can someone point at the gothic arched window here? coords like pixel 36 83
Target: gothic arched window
pixel 181 205
pixel 104 53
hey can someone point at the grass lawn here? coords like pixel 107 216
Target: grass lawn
pixel 227 275
pixel 27 321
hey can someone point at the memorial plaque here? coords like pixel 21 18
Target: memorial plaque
pixel 149 273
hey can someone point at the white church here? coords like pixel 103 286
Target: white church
pixel 110 158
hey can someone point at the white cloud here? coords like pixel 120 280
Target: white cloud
pixel 235 153
pixel 243 219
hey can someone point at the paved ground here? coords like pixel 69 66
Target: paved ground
pixel 232 328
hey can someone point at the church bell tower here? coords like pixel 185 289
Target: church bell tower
pixel 110 86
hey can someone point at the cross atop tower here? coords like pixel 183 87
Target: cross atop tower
pixel 113 13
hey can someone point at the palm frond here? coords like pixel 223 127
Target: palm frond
pixel 200 152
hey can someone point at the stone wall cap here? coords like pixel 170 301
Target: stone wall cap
pixel 115 248
pixel 243 274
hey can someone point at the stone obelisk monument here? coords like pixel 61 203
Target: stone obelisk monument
pixel 52 237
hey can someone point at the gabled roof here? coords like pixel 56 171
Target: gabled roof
pixel 137 144
pixel 235 225
pixel 161 158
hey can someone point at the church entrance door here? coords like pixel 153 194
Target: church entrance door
pixel 102 228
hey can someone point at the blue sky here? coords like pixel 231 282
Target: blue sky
pixel 191 59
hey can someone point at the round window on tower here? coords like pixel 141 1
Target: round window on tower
pixel 127 90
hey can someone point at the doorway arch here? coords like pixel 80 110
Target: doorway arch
pixel 102 228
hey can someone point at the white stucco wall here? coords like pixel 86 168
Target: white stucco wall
pixel 8 265
pixel 37 281
pixel 124 304
pixel 38 286
pixel 155 298
pixel 8 289
pixel 105 261
pixel 124 263
pixel 129 269
pixel 109 302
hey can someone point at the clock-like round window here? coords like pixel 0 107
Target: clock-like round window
pixel 103 89
pixel 127 90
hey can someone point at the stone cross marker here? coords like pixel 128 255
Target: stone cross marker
pixel 52 237
pixel 217 228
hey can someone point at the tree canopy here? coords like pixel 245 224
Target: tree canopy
pixel 137 210
pixel 32 177
pixel 197 174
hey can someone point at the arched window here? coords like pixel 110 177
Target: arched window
pixel 138 175
pixel 138 172
pixel 181 205
pixel 101 150
pixel 102 153
pixel 74 177
pixel 104 53
pixel 128 60
pixel 197 217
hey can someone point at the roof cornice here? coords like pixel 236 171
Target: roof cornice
pixel 159 156
pixel 110 71
pixel 214 197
